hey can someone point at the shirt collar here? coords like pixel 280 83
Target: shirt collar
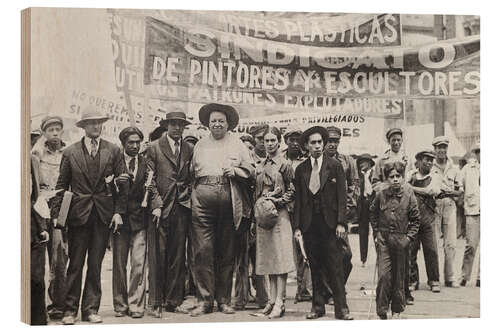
pixel 172 142
pixel 320 160
pixel 88 141
pixel 127 157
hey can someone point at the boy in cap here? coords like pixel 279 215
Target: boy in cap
pixel 446 208
pixel 395 219
pixel 426 187
pixel 49 151
pixel 257 132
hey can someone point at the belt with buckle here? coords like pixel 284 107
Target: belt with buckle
pixel 212 180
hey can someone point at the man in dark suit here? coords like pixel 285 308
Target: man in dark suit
pixel 131 235
pixel 169 158
pixel 87 167
pixel 320 207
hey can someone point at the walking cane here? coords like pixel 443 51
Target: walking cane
pixel 373 281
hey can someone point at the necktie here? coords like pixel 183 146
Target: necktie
pixel 176 144
pixel 368 185
pixel 131 165
pixel 93 147
pixel 314 181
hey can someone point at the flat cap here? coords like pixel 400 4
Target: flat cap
pixel 291 131
pixel 440 140
pixel 128 131
pixel 50 120
pixel 393 131
pixel 257 129
pixel 427 152
pixel 334 132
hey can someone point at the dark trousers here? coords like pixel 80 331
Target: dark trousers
pixel 303 272
pixel 392 251
pixel 167 258
pixel 134 243
pixel 325 256
pixel 89 240
pixel 213 242
pixel 364 229
pixel 425 237
pixel 57 249
pixel 37 273
pixel 245 256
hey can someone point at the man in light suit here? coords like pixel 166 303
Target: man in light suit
pixel 169 158
pixel 131 235
pixel 87 167
pixel 320 208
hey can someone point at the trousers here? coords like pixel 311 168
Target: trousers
pixel 89 240
pixel 129 243
pixel 57 249
pixel 213 242
pixel 37 276
pixel 427 239
pixel 391 259
pixel 446 224
pixel 472 233
pixel 325 256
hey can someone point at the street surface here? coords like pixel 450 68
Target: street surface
pixel 463 302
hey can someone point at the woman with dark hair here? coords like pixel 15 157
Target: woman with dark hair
pixel 395 219
pixel 274 244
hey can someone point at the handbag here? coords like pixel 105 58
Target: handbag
pixel 266 214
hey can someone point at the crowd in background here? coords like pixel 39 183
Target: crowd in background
pixel 190 207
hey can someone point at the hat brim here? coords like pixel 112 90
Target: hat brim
pixel 231 114
pixel 164 122
pixel 81 123
pixel 361 159
pixel 310 131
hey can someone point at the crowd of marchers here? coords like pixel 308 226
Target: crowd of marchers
pixel 184 212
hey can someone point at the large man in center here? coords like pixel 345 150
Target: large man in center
pixel 222 167
pixel 320 207
pixel 169 159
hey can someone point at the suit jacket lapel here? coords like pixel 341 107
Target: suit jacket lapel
pixel 166 149
pixel 79 159
pixel 141 165
pixel 104 155
pixel 323 172
pixel 307 173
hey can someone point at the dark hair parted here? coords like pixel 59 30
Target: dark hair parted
pixel 128 131
pixel 398 166
pixel 275 131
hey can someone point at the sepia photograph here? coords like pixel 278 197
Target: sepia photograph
pixel 194 166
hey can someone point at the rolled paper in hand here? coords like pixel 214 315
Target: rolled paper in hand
pixel 148 182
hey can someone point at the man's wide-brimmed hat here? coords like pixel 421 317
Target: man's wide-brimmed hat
pixel 365 157
pixel 310 131
pixel 231 114
pixel 88 114
pixel 174 115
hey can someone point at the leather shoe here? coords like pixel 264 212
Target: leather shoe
pixel 176 309
pixel 136 315
pixel 314 315
pixel 410 300
pixel 435 289
pixel 345 316
pixel 226 309
pixel 68 320
pixel 451 284
pixel 120 314
pixel 156 312
pixel 478 283
pixel 200 310
pixel 383 316
pixel 463 283
pixel 55 314
pixel 93 318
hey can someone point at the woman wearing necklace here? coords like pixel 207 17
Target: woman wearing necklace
pixel 275 243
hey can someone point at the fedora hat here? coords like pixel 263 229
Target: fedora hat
pixel 174 115
pixel 231 114
pixel 310 131
pixel 90 113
